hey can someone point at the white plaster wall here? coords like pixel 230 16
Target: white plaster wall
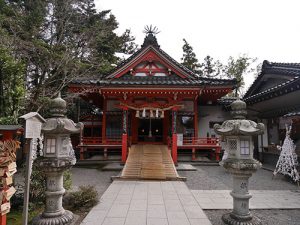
pixel 207 114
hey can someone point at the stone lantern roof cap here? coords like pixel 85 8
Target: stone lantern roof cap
pixel 239 125
pixel 58 123
pixel 58 106
pixel 238 109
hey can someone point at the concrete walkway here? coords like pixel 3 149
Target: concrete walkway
pixel 147 203
pixel 262 199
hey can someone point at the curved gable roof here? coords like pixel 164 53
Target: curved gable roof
pixel 280 71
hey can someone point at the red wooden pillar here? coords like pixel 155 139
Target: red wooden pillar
pixel 174 136
pixel 195 118
pixel 165 127
pixel 124 136
pixel 134 128
pixel 218 151
pixel 104 121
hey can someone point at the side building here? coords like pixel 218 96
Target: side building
pixel 274 99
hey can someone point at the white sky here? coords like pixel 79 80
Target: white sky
pixel 265 29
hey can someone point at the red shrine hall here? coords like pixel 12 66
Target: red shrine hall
pixel 149 99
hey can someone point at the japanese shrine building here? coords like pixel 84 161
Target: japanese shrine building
pixel 150 99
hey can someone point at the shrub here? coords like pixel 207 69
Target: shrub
pixel 83 199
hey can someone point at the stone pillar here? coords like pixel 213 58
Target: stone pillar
pixel 240 214
pixel 54 213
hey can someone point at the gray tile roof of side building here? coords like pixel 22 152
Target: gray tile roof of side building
pixel 287 69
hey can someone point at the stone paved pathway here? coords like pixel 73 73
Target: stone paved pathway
pixel 147 203
pixel 262 199
pixel 172 203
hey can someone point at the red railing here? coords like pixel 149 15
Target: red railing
pixel 201 141
pixel 99 141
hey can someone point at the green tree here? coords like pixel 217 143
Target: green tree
pixel 12 89
pixel 189 58
pixel 212 68
pixel 60 41
pixel 238 68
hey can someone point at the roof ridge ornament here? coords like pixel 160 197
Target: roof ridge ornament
pixel 150 38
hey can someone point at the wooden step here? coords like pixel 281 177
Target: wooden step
pixel 149 162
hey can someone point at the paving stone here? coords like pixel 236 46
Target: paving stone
pixel 200 222
pixel 138 204
pixel 114 221
pixel 136 217
pixel 155 199
pixel 173 205
pixel 157 221
pixel 118 210
pixel 156 211
pixel 177 218
pixel 194 212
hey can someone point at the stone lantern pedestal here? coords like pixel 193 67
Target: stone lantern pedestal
pixel 241 171
pixel 54 213
pixel 238 134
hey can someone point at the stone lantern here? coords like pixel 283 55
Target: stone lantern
pixel 58 156
pixel 238 134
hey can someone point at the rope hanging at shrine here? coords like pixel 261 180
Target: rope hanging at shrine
pixel 151 108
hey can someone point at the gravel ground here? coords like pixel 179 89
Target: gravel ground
pixel 268 217
pixel 215 178
pixel 95 177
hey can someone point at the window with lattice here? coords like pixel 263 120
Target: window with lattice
pixel 232 145
pixel 245 147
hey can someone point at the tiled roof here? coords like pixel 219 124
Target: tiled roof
pixel 193 79
pixel 287 69
pixel 295 113
pixel 128 79
pixel 278 90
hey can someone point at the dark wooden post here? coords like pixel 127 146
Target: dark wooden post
pixel 174 136
pixel 104 121
pixel 124 135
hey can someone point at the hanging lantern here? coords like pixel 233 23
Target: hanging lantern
pixel 162 114
pixel 144 113
pixel 156 114
pixel 151 113
pixel 137 114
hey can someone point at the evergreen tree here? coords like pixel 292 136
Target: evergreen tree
pixel 12 89
pixel 212 68
pixel 60 41
pixel 189 58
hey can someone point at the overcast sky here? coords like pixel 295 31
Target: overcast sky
pixel 265 29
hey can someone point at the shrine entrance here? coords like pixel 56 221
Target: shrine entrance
pixel 150 130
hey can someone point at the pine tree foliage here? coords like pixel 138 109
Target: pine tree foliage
pixel 288 159
pixel 189 58
pixel 212 68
